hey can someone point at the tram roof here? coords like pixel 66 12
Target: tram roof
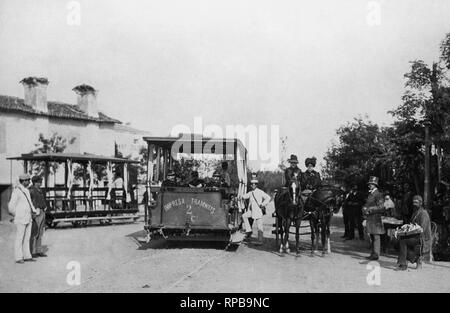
pixel 78 157
pixel 192 138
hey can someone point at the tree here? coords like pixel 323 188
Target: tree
pixel 396 153
pixel 55 144
pixel 426 98
pixel 361 145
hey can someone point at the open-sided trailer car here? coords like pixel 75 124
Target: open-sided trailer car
pixel 183 213
pixel 82 203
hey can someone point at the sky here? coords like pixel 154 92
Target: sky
pixel 306 67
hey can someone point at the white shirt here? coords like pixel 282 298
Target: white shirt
pixel 20 205
pixel 257 198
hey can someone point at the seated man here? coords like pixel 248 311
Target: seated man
pixel 170 181
pixel 215 182
pixel 195 181
pixel 414 248
pixel 293 173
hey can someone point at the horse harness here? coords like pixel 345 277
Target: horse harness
pixel 323 204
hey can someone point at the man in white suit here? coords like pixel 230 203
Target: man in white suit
pixel 258 200
pixel 21 207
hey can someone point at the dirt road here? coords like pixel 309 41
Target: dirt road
pixel 112 260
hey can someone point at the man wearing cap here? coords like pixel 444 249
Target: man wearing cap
pixel 258 200
pixel 373 209
pixel 21 207
pixel 216 181
pixel 311 178
pixel 170 181
pixel 37 230
pixel 293 173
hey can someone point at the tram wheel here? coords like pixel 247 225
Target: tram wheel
pixel 50 223
pixel 76 223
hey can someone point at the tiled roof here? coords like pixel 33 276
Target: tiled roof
pixel 131 130
pixel 55 109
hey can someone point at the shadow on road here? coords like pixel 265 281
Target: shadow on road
pixel 356 248
pixel 139 238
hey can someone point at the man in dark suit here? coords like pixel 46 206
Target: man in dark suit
pixel 37 230
pixel 293 173
pixel 353 214
pixel 373 209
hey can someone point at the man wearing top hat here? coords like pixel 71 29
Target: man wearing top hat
pixel 373 209
pixel 258 200
pixel 311 178
pixel 293 173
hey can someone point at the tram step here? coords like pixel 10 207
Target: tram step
pixel 94 218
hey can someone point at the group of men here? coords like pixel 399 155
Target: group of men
pixel 355 208
pixel 28 207
pixel 219 179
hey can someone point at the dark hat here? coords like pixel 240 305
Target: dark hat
pixel 217 174
pixel 293 159
pixel 194 174
pixel 36 179
pixel 373 180
pixel 311 161
pixel 171 174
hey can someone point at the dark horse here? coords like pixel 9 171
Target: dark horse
pixel 289 208
pixel 320 205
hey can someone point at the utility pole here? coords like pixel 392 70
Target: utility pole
pixel 427 191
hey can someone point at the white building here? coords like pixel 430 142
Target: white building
pixel 22 120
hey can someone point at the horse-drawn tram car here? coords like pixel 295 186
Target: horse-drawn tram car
pixel 80 188
pixel 194 184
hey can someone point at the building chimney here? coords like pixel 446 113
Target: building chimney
pixel 87 99
pixel 36 93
